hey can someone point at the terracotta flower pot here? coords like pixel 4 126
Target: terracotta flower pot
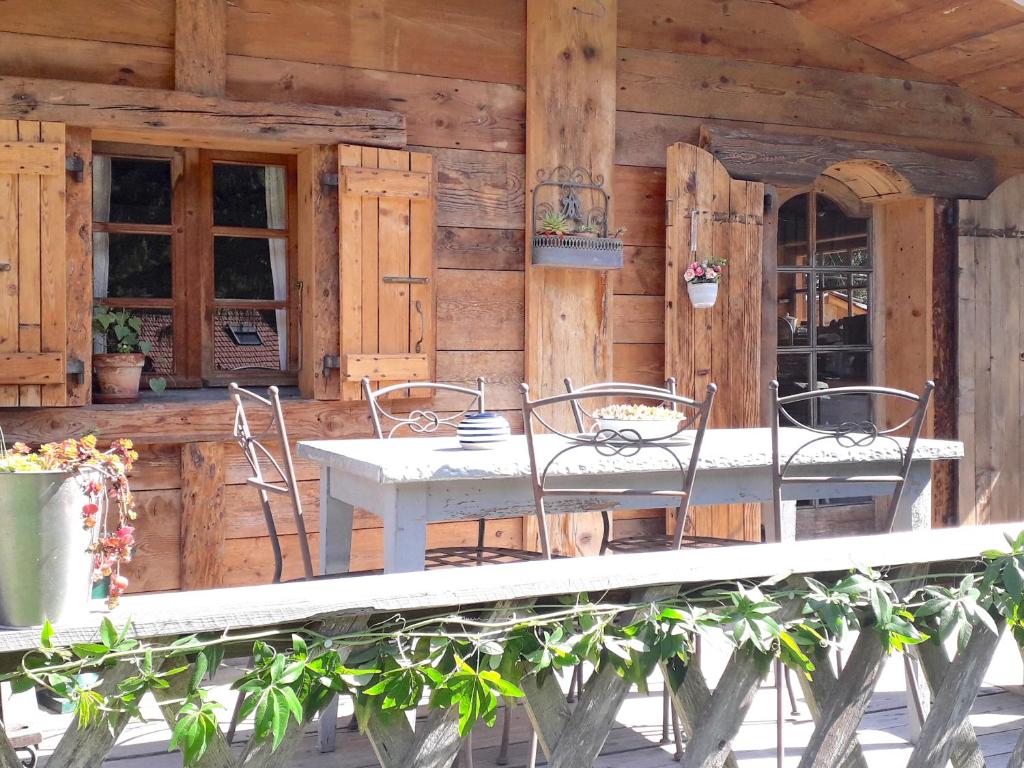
pixel 117 377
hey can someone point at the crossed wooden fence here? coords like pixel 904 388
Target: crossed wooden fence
pixel 572 736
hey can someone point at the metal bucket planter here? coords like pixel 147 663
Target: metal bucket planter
pixel 575 252
pixel 702 295
pixel 45 569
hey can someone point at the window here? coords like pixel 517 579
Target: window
pixel 824 305
pixel 198 244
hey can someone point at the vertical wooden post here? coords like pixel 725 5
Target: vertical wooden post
pixel 202 515
pixel 944 356
pixel 200 46
pixel 906 240
pixel 317 234
pixel 570 121
pixel 79 265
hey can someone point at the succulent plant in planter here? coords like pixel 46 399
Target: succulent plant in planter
pixel 591 231
pixel 68 521
pixel 118 373
pixel 554 224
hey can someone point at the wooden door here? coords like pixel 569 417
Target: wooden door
pixel 712 215
pixel 990 349
pixel 33 268
pixel 386 250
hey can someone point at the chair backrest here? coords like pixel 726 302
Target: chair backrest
pixel 854 431
pixel 600 439
pixel 580 416
pixel 420 421
pixel 270 459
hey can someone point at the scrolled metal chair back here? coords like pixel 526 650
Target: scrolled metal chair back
pixel 581 416
pixel 853 433
pixel 610 442
pixel 419 421
pixel 271 474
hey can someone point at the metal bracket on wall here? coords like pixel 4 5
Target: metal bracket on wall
pixel 330 180
pixel 403 279
pixel 76 370
pixel 332 362
pixel 75 165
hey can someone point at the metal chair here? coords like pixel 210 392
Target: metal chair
pixel 280 468
pixel 648 543
pixel 852 430
pixel 420 421
pixel 582 401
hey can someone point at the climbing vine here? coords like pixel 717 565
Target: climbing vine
pixel 470 659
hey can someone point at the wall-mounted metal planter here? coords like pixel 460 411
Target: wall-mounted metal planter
pixel 578 238
pixel 576 252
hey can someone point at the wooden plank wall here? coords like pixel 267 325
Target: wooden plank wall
pixel 990 344
pixel 458 74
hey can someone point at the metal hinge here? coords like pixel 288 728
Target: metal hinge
pixel 332 362
pixel 75 165
pixel 76 370
pixel 330 180
pixel 769 202
pixel 403 279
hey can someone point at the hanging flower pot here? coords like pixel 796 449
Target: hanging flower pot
pixel 703 295
pixel 701 278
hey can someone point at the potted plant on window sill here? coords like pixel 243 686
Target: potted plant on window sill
pixel 701 278
pixel 67 513
pixel 118 373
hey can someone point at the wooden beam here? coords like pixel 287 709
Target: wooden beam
pixel 381 182
pixel 202 515
pixel 122 111
pixel 29 157
pixel 399 367
pixel 161 615
pixel 793 160
pixel 78 256
pixel 31 368
pixel 944 355
pixel 200 46
pixel 570 122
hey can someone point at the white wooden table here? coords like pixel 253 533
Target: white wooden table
pixel 410 482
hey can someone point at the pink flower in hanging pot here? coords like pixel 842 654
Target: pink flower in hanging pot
pixel 688 275
pixel 699 271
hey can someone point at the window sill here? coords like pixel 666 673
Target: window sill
pixel 206 395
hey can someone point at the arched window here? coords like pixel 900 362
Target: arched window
pixel 824 303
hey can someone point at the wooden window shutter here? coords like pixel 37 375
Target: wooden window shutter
pixel 34 360
pixel 386 248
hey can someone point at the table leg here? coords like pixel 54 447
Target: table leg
pixel 915 513
pixel 335 529
pixel 915 509
pixel 788 521
pixel 405 532
pixel 335 556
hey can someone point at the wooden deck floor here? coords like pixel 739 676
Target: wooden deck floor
pixel 998 717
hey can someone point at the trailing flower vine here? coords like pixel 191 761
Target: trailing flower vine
pixel 110 508
pixel 470 659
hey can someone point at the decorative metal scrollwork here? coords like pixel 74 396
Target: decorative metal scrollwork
pixel 580 197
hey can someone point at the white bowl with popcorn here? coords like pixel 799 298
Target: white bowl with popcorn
pixel 645 422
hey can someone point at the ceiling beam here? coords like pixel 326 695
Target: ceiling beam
pixel 794 160
pixel 120 110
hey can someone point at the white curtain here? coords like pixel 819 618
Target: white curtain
pixel 277 202
pixel 100 240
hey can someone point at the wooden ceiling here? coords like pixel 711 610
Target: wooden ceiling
pixel 977 44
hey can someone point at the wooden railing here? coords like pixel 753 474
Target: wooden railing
pixel 572 737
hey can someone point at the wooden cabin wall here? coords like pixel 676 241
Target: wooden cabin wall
pixel 456 70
